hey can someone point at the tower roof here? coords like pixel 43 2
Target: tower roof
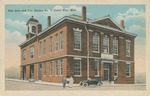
pixel 33 20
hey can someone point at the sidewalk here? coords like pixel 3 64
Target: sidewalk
pixel 75 85
pixel 40 82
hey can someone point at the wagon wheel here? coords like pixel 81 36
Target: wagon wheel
pixel 80 83
pixel 99 84
pixel 85 84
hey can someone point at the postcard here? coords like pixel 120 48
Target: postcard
pixel 74 49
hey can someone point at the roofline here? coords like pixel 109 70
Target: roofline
pixel 70 18
pixel 128 33
pixel 97 19
pixel 56 23
pixel 27 41
pixel 102 26
pixel 105 17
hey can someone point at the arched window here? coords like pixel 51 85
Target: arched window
pixel 33 29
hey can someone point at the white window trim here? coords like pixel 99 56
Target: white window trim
pixel 117 47
pixel 62 37
pixel 33 51
pixel 98 68
pixel 77 49
pixel 98 45
pixel 129 69
pixel 61 62
pixel 44 47
pixel 129 41
pixel 78 30
pixel 56 43
pixel 50 65
pixel 24 55
pixel 51 41
pixel 80 67
pixel 108 43
pixel 55 68
pixel 40 48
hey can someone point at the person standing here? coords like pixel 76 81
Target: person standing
pixel 64 81
pixel 71 82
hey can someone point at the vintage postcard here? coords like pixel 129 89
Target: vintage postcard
pixel 74 49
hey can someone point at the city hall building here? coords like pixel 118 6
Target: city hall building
pixel 78 47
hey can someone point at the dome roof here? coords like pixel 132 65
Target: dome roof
pixel 33 20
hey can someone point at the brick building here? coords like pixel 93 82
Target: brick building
pixel 78 47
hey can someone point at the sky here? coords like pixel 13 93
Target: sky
pixel 16 17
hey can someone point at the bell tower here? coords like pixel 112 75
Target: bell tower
pixel 34 27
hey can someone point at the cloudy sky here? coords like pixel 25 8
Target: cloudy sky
pixel 16 18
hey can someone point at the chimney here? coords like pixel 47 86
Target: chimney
pixel 122 24
pixel 48 21
pixel 84 13
pixel 39 28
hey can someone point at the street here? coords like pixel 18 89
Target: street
pixel 14 85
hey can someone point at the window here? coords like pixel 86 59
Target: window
pixel 128 48
pixel 50 68
pixel 28 28
pixel 56 43
pixel 24 54
pixel 31 51
pixel 33 29
pixel 105 44
pixel 77 67
pixel 77 40
pixel 56 67
pixel 44 68
pixel 44 49
pixel 40 48
pixel 128 70
pixel 50 44
pixel 96 67
pixel 95 43
pixel 115 46
pixel 61 40
pixel 61 67
pixel 115 69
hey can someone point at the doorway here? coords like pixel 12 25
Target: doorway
pixel 24 73
pixel 31 71
pixel 106 72
pixel 40 72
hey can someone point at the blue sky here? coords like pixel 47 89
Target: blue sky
pixel 134 16
pixel 93 11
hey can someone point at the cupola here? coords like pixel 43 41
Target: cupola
pixel 34 27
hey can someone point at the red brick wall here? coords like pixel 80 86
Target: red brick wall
pixel 70 39
pixel 68 49
pixel 70 67
pixel 48 55
pixel 54 78
pixel 122 79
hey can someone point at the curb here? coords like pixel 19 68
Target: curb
pixel 40 82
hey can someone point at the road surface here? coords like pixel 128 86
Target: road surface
pixel 14 85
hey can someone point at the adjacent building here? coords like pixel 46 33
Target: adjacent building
pixel 78 47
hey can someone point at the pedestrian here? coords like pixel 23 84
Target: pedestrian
pixel 71 82
pixel 64 81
